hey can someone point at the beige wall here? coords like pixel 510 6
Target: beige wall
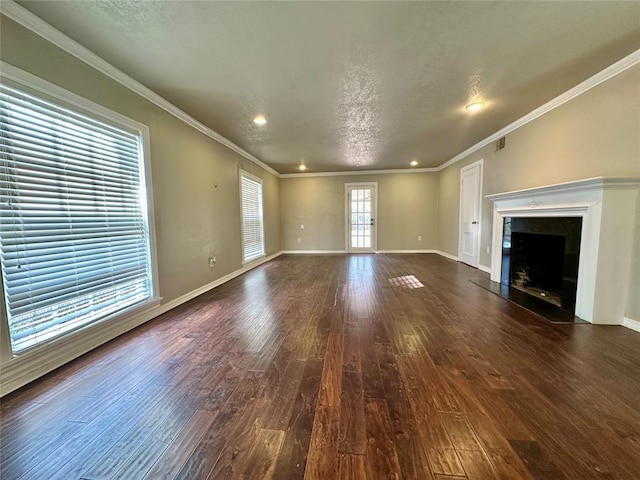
pixel 195 179
pixel 406 209
pixel 595 134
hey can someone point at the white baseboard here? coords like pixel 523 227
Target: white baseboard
pixel 209 286
pixel 405 251
pixel 313 252
pixel 632 324
pixel 29 366
pixel 484 269
pixel 446 255
pixel 324 252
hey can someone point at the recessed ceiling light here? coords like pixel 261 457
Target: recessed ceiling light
pixel 474 107
pixel 260 120
pixel 414 163
pixel 302 167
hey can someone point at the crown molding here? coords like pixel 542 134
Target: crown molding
pixel 595 183
pixel 30 21
pixel 38 26
pixel 611 71
pixel 359 172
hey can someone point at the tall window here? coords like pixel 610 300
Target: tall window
pixel 252 224
pixel 74 236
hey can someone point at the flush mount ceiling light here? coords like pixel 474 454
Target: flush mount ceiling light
pixel 302 167
pixel 259 120
pixel 413 163
pixel 474 107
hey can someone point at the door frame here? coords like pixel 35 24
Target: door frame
pixel 347 223
pixel 475 164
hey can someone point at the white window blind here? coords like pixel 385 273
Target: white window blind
pixel 252 229
pixel 74 240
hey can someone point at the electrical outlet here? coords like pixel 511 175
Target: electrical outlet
pixel 299 240
pixel 419 238
pixel 212 262
pixel 301 227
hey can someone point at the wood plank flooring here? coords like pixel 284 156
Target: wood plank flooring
pixel 338 367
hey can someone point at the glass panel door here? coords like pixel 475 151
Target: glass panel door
pixel 361 217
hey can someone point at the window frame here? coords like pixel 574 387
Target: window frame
pixel 33 85
pixel 244 173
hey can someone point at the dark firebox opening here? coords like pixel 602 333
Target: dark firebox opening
pixel 540 259
pixel 537 263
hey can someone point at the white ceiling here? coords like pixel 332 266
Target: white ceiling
pixel 353 85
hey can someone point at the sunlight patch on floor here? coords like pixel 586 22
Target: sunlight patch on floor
pixel 408 281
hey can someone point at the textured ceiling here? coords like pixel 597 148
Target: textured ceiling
pixel 346 86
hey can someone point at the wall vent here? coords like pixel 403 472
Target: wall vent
pixel 500 143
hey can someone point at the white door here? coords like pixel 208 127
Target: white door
pixel 470 213
pixel 361 217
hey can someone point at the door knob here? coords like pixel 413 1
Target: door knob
pixel 474 223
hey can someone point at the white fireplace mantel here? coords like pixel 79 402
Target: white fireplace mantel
pixel 607 206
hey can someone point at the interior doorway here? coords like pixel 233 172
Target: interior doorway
pixel 470 213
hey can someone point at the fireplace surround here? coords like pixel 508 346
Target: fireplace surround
pixel 606 207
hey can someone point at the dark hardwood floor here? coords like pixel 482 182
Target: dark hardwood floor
pixel 349 367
